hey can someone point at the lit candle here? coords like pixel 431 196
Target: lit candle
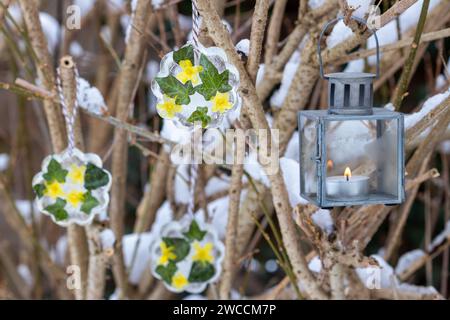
pixel 348 186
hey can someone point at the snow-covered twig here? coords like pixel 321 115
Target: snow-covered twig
pixel 229 263
pixel 259 121
pixel 257 35
pixel 78 247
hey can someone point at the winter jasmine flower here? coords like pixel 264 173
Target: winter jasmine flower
pixel 76 173
pixel 179 281
pixel 221 102
pixel 203 254
pixel 75 198
pixel 189 72
pixel 166 253
pixel 169 108
pixel 54 190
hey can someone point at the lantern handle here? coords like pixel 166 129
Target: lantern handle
pixel 319 50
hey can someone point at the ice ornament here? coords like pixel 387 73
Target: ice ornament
pixel 72 187
pixel 187 256
pixel 196 86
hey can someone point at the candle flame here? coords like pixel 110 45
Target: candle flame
pixel 330 164
pixel 348 173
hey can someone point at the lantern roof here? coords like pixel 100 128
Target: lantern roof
pixel 348 76
pixel 349 93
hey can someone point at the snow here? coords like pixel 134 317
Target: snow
pixel 355 66
pixel 178 134
pixel 84 5
pixel 105 33
pixel 440 238
pixel 428 106
pixel 185 22
pixel 314 4
pixel 291 174
pixel 163 216
pixel 362 7
pixel 386 35
pixel 50 26
pixel 157 3
pixel 408 19
pixel 374 277
pixel 4 161
pixel 24 207
pixel 442 79
pixel 323 220
pixel 51 30
pixel 25 273
pixel 90 98
pixel 243 46
pixel 58 253
pixel 271 265
pixel 444 147
pixel 218 215
pixel 315 265
pixel 151 70
pixel 76 49
pixel 195 297
pixel 339 34
pixel 417 289
pixel 107 239
pixel 182 193
pixel 216 184
pixel 292 149
pixel 253 168
pixel 142 260
pixel 260 73
pixel 290 69
pixel 407 259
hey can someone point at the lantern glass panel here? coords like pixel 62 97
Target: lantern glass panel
pixel 362 161
pixel 308 151
pixel 370 146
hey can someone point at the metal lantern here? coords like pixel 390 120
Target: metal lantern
pixel 352 153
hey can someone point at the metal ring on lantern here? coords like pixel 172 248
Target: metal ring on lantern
pixel 325 28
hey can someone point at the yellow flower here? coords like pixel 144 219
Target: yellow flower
pixel 76 173
pixel 221 102
pixel 169 108
pixel 166 253
pixel 203 254
pixel 54 190
pixel 189 72
pixel 179 281
pixel 75 197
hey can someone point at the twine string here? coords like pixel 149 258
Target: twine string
pixel 195 24
pixel 69 115
pixel 193 172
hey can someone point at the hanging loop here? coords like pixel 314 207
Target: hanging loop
pixel 69 115
pixel 325 28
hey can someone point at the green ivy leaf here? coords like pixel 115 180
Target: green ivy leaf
pixel 175 89
pixel 95 177
pixel 181 247
pixel 39 189
pixel 55 172
pixel 89 203
pixel 201 271
pixel 57 209
pixel 194 232
pixel 212 81
pixel 200 115
pixel 167 272
pixel 185 53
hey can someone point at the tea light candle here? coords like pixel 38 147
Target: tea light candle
pixel 348 186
